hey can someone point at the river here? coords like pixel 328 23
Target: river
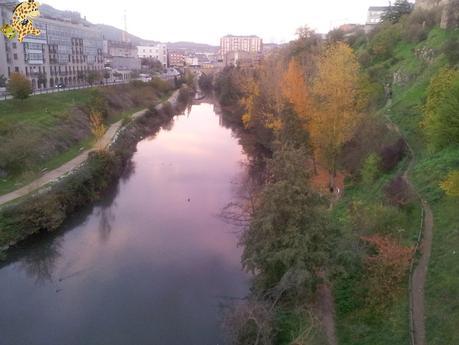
pixel 151 263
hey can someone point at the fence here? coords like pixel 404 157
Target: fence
pixel 5 95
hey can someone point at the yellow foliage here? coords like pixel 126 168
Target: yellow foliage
pixel 338 103
pixel 451 184
pixel 97 126
pixel 295 90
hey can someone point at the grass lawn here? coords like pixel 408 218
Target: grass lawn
pixel 9 184
pixel 42 110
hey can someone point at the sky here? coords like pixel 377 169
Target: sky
pixel 205 21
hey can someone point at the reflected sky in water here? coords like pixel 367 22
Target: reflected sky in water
pixel 149 264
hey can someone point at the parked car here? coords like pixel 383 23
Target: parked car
pixel 60 86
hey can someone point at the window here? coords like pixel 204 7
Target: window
pixel 15 56
pixel 16 69
pixel 14 45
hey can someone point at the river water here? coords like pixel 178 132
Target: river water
pixel 149 264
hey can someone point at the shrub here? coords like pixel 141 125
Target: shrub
pixel 451 50
pixel 387 267
pixel 160 85
pixel 399 192
pixel 451 184
pixel 391 155
pixel 384 41
pixel 184 95
pixel 370 169
pixel 369 218
pixel 19 86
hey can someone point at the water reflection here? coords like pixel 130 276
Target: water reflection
pixel 40 262
pixel 146 265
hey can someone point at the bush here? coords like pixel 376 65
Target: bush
pixel 370 169
pixel 399 192
pixel 451 184
pixel 391 155
pixel 441 115
pixel 19 86
pixel 383 43
pixel 451 50
pixel 184 95
pixel 160 85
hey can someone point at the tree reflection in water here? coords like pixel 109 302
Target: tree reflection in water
pixel 40 261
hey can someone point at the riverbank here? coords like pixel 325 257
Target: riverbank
pixel 42 133
pixel 51 205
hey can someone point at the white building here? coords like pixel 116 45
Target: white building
pixel 375 14
pixel 191 61
pixel 158 52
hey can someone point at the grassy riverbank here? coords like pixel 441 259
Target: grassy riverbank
pixel 45 131
pixel 46 210
pixel 377 215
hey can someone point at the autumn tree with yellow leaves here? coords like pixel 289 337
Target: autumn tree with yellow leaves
pixel 338 103
pixel 295 90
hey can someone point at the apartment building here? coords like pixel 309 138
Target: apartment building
pixel 64 53
pixel 158 52
pixel 249 44
pixel 176 59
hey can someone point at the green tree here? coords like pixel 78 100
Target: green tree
pixel 92 77
pixel 441 114
pixel 3 80
pixel 19 86
pixel 397 11
pixel 289 240
pixel 451 50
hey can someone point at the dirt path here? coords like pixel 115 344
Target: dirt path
pixel 418 272
pixel 326 310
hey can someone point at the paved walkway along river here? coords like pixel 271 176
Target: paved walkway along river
pixel 66 168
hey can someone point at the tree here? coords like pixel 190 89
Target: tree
pixel 205 82
pixel 92 77
pixel 19 86
pixel 3 80
pixel 441 114
pixel 451 184
pixel 397 11
pixel 97 125
pixel 106 75
pixel 338 103
pixel 295 90
pixel 289 240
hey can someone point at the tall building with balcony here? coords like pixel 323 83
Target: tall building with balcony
pixel 247 45
pixel 64 53
pixel 157 52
